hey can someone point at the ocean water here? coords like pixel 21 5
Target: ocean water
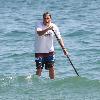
pixel 79 24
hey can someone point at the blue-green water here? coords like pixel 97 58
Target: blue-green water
pixel 79 23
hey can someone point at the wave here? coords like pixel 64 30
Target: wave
pixel 16 33
pixel 57 82
pixel 26 54
pixel 79 33
pixel 9 57
pixel 36 87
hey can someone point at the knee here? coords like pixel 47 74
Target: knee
pixel 49 65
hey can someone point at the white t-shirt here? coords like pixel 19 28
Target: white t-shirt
pixel 44 43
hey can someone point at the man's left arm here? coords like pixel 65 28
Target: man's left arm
pixel 62 46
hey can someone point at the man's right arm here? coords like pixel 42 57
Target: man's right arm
pixel 42 32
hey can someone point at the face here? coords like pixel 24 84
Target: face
pixel 47 20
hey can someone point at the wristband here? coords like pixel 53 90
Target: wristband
pixel 64 48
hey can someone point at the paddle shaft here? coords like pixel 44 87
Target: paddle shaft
pixel 72 65
pixel 67 54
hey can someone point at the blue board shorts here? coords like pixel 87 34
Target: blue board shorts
pixel 44 60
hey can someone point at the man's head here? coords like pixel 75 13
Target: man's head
pixel 46 18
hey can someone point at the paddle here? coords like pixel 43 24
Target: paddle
pixel 67 54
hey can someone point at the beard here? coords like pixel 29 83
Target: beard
pixel 47 23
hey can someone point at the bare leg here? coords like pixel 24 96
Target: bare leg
pixel 51 73
pixel 38 72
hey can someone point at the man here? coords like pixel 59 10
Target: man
pixel 44 49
